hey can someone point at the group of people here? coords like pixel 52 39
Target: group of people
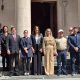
pixel 29 51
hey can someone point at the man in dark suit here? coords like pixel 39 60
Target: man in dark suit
pixel 26 53
pixel 0 45
pixel 77 36
pixel 13 45
pixel 73 42
pixel 72 52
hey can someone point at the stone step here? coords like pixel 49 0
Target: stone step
pixel 43 77
pixel 0 61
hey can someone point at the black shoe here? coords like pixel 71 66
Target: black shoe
pixel 16 74
pixel 35 73
pixel 79 72
pixel 58 74
pixel 11 74
pixel 73 74
pixel 65 73
pixel 4 69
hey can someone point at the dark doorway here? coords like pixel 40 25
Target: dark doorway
pixel 41 14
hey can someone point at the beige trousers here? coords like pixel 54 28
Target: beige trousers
pixel 49 61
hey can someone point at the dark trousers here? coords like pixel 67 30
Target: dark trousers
pixel 78 62
pixel 14 58
pixel 61 61
pixel 6 62
pixel 26 64
pixel 37 63
pixel 73 61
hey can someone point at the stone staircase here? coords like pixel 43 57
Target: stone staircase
pixel 4 75
pixel 42 77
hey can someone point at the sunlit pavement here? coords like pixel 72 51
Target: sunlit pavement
pixel 30 77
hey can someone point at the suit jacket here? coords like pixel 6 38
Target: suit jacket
pixel 78 40
pixel 13 45
pixel 0 43
pixel 72 42
pixel 26 42
pixel 34 41
pixel 4 44
pixel 1 31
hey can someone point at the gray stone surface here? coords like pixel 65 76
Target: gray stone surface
pixel 0 61
pixel 69 77
pixel 41 77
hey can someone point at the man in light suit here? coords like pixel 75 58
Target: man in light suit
pixel 13 45
pixel 26 53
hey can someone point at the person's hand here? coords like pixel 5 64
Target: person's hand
pixel 25 48
pixel 40 50
pixel 31 60
pixel 76 49
pixel 55 54
pixel 0 52
pixel 8 52
pixel 33 50
pixel 26 51
pixel 19 51
pixel 67 53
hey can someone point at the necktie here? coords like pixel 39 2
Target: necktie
pixel 14 36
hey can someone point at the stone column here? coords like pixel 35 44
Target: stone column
pixel 23 16
pixel 59 14
pixel 79 13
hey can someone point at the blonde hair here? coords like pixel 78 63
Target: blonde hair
pixel 48 29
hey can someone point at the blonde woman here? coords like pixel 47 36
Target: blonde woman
pixel 49 49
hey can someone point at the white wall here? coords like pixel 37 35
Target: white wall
pixel 7 16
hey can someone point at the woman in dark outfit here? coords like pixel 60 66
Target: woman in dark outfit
pixel 4 54
pixel 37 39
pixel 26 53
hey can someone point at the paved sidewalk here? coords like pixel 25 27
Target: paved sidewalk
pixel 42 77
